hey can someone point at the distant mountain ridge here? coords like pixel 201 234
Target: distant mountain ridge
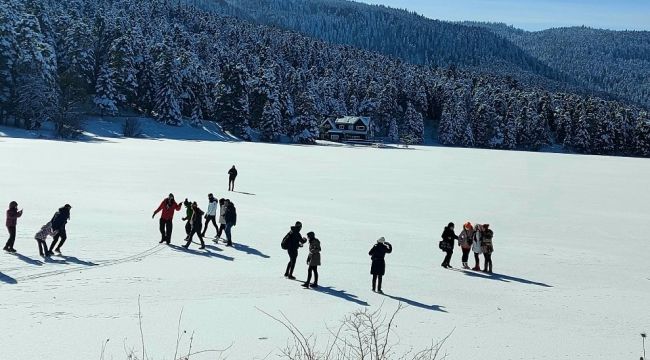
pixel 573 59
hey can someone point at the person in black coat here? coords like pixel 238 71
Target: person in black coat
pixel 197 225
pixel 232 175
pixel 231 220
pixel 292 242
pixel 59 220
pixel 447 244
pixel 378 267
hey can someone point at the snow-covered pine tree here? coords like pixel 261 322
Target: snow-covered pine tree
pixel 232 100
pixel 123 62
pixel 167 107
pixel 8 57
pixel 106 96
pixel 413 132
pixel 271 121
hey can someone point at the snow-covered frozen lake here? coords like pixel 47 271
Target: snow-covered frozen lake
pixel 572 278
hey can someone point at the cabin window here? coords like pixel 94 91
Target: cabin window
pixel 335 137
pixel 342 127
pixel 361 128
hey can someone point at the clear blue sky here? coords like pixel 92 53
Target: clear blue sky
pixel 535 14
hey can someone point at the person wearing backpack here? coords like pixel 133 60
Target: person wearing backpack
pixel 197 225
pixel 476 246
pixel 487 248
pixel 378 267
pixel 465 242
pixel 292 242
pixel 447 244
pixel 313 260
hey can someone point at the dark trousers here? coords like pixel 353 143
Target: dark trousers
pixel 488 262
pixel 376 282
pixel 220 230
pixel 166 227
pixel 478 261
pixel 228 232
pixel 293 256
pixel 42 248
pixel 60 235
pixel 466 254
pixel 208 220
pixel 231 184
pixel 195 230
pixel 447 257
pixel 310 271
pixel 188 228
pixel 12 238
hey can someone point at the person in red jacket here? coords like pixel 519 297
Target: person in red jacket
pixel 168 207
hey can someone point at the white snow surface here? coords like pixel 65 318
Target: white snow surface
pixel 571 242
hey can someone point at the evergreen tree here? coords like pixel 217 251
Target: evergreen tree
pixel 167 107
pixel 232 100
pixel 413 132
pixel 106 96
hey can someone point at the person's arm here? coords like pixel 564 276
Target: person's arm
pixel 178 206
pixel 372 251
pixel 389 248
pixel 160 207
pixel 19 214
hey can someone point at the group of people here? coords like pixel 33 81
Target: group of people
pixel 293 241
pixel 55 228
pixel 473 238
pixel 194 219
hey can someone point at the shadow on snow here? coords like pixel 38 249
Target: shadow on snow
pixel 417 303
pixel 4 278
pixel 502 278
pixel 205 253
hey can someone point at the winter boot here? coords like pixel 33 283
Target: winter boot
pixel 314 286
pixel 305 285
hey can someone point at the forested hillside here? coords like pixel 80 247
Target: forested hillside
pixel 179 63
pixel 617 62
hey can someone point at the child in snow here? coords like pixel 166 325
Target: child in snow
pixel 447 244
pixel 313 260
pixel 41 236
pixel 487 248
pixel 187 218
pixel 12 220
pixel 232 175
pixel 197 225
pixel 476 246
pixel 378 267
pixel 465 242
pixel 211 214
pixel 167 206
pixel 59 220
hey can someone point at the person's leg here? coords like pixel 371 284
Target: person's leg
pixel 447 260
pixel 477 266
pixel 213 220
pixel 485 263
pixel 12 238
pixel 374 282
pixel 229 234
pixel 292 263
pixel 315 275
pixel 55 239
pixel 379 279
pixel 162 230
pixel 200 236
pixel 169 227
pixel 188 228
pixel 220 230
pixel 64 236
pixel 205 227
pixel 306 283
pixel 42 248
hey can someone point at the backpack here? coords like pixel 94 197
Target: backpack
pixel 285 242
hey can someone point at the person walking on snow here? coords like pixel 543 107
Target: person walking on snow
pixel 487 248
pixel 211 214
pixel 465 242
pixel 292 242
pixel 222 219
pixel 59 220
pixel 232 175
pixel 188 217
pixel 313 260
pixel 167 207
pixel 476 246
pixel 12 220
pixel 378 267
pixel 197 225
pixel 231 220
pixel 447 244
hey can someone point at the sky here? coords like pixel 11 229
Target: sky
pixel 535 14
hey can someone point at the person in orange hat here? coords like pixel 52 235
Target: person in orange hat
pixel 465 242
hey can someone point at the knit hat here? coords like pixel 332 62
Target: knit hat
pixel 381 240
pixel 468 225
